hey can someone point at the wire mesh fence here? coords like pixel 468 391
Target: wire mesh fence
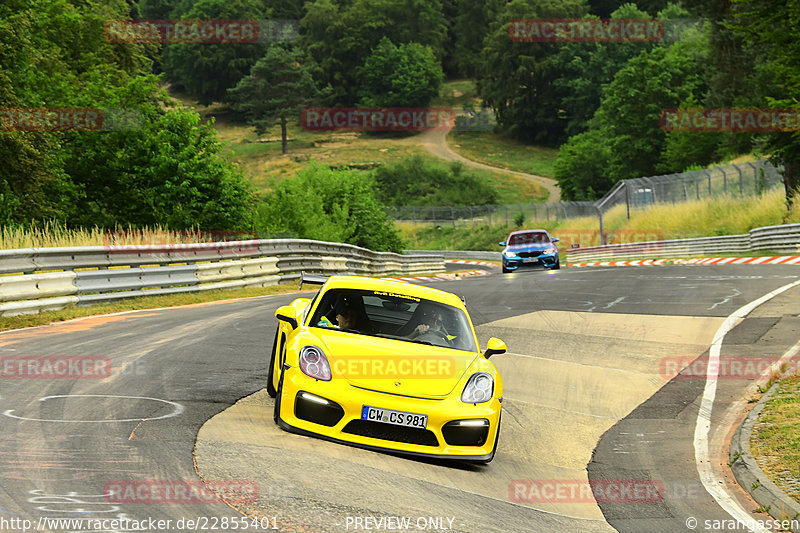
pixel 734 180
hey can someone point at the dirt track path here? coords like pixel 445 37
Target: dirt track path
pixel 436 143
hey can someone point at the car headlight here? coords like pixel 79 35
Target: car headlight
pixel 479 388
pixel 509 253
pixel 314 364
pixel 550 250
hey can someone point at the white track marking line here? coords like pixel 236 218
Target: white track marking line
pixel 701 445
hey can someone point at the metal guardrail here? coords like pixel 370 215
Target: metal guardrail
pixel 782 239
pixel 459 254
pixel 36 279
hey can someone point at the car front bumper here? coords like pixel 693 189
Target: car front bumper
pixel 340 421
pixel 544 260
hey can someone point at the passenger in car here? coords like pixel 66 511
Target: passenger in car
pixel 346 318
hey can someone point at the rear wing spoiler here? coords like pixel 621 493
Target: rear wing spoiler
pixel 313 279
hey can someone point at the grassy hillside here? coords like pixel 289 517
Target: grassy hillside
pixel 262 162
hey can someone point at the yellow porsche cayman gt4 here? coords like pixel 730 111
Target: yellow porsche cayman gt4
pixel 388 366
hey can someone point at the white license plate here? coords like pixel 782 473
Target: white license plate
pixel 398 418
pixel 530 260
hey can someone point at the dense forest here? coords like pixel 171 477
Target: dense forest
pixel 600 102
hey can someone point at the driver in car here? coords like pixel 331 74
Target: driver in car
pixel 431 327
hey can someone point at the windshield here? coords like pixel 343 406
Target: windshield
pixel 534 237
pixel 394 316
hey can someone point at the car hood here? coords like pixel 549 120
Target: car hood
pixel 529 247
pixel 395 366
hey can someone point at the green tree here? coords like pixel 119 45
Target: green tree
pixel 329 205
pixel 277 88
pixel 630 113
pixel 769 27
pixel 399 76
pixel 53 53
pixel 581 168
pixel 470 27
pixel 168 172
pixel 163 169
pixel 517 78
pixel 205 70
pixel 339 35
pixel 584 68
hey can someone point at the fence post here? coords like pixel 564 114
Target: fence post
pixel 602 233
pixel 453 215
pixel 414 214
pixel 708 174
pixel 741 184
pixel 697 186
pixel 627 200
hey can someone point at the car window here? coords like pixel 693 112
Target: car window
pixel 395 316
pixel 528 238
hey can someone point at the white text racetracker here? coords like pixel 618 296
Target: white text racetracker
pixel 398 418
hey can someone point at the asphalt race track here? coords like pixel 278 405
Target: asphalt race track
pixel 587 399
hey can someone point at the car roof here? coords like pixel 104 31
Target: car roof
pixel 393 286
pixel 528 231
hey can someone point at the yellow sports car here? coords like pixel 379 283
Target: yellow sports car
pixel 386 365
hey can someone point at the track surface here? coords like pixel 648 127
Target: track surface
pixel 564 329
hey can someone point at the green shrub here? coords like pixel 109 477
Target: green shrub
pixel 417 181
pixel 329 205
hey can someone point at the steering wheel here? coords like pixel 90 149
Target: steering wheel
pixel 436 335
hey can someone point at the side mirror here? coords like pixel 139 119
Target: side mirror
pixel 502 243
pixel 286 314
pixel 494 347
pixel 556 239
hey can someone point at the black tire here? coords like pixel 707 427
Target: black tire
pixel 556 266
pixel 271 373
pixel 276 413
pixel 505 270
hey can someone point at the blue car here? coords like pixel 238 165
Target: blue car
pixel 530 248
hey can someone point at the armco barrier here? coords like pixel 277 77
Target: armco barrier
pixel 783 239
pixel 36 279
pixel 462 254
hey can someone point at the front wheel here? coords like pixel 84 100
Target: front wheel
pixel 556 266
pixel 271 373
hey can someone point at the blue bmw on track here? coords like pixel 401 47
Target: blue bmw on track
pixel 530 248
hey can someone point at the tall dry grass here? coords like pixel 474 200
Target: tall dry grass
pixel 54 234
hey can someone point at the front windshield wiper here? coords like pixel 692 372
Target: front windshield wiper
pixel 422 342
